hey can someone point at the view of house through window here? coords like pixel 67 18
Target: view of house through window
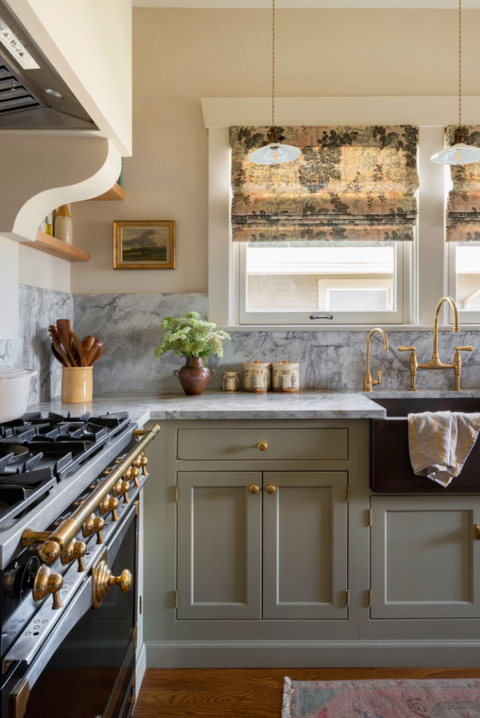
pixel 316 278
pixel 467 276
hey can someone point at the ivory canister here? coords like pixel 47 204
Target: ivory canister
pixel 77 384
pixel 286 376
pixel 255 377
pixel 230 381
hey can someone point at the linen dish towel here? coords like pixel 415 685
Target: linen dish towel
pixel 440 442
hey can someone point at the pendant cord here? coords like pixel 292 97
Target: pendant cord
pixel 460 63
pixel 273 64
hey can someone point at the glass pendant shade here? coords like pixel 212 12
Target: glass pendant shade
pixel 457 154
pixel 274 154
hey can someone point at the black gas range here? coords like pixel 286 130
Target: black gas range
pixel 69 491
pixel 38 450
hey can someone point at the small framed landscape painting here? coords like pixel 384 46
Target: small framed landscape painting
pixel 144 245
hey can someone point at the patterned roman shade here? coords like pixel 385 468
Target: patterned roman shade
pixel 349 184
pixel 463 204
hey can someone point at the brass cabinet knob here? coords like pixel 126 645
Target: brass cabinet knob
pixel 122 487
pixel 75 550
pixel 271 489
pixel 109 503
pixel 254 489
pixel 103 581
pixel 477 532
pixel 263 446
pixel 46 582
pixel 92 525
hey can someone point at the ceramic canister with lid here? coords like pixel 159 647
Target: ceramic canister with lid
pixel 230 381
pixel 256 376
pixel 286 376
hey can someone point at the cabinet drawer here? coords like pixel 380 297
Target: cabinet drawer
pixel 243 444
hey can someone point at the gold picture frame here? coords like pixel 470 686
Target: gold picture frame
pixel 144 244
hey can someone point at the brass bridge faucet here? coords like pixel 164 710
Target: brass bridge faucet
pixel 435 362
pixel 368 381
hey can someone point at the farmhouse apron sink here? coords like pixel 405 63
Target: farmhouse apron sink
pixel 390 468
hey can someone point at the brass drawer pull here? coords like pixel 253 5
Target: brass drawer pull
pixel 263 446
pixel 271 489
pixel 254 489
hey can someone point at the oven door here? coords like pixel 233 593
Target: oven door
pixel 86 668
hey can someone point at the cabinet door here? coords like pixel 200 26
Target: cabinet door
pixel 425 560
pixel 219 545
pixel 305 545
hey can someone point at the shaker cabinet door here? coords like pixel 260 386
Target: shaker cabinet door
pixel 305 545
pixel 424 557
pixel 219 545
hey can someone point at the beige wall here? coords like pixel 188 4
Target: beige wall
pixel 183 55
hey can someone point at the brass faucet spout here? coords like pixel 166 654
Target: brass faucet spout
pixel 368 381
pixel 456 323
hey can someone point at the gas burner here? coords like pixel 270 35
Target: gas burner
pixel 38 450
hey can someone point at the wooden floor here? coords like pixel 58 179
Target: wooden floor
pixel 250 693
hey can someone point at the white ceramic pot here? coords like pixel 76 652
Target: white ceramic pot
pixel 14 392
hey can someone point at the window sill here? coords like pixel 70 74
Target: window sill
pixel 343 328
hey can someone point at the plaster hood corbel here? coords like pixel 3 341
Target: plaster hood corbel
pixel 41 173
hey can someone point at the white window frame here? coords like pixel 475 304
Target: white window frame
pixel 427 263
pixel 402 281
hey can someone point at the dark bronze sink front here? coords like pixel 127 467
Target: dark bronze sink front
pixel 390 468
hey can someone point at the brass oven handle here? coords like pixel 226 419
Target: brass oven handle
pixel 46 582
pixel 271 489
pixel 254 489
pixel 66 532
pixel 263 446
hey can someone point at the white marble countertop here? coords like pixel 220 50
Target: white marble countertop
pixel 307 404
pixel 218 405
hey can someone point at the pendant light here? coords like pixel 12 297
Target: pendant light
pixel 274 153
pixel 459 153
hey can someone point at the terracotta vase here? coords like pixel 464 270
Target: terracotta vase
pixel 194 376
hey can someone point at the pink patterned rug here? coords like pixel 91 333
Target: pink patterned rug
pixel 455 698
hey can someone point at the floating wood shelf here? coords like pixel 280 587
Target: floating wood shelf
pixel 115 194
pixel 51 245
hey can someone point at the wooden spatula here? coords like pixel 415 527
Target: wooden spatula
pixel 64 327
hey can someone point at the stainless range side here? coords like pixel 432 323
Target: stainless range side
pixel 69 564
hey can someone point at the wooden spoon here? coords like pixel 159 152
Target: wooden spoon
pixel 88 343
pixel 64 327
pixel 95 352
pixel 79 349
pixel 59 354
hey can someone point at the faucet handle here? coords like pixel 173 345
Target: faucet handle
pixel 407 349
pixel 378 380
pixel 464 349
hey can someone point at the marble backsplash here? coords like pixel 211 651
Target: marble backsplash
pixel 38 309
pixel 130 325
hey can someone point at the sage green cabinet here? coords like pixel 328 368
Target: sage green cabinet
pixel 304 528
pixel 424 557
pixel 219 545
pixel 305 545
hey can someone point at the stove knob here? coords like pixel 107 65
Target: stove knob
pixel 75 550
pixel 49 551
pixel 143 463
pixel 102 582
pixel 122 487
pixel 108 504
pixel 46 582
pixel 93 525
pixel 132 473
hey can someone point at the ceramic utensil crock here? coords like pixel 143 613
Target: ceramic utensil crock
pixel 77 384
